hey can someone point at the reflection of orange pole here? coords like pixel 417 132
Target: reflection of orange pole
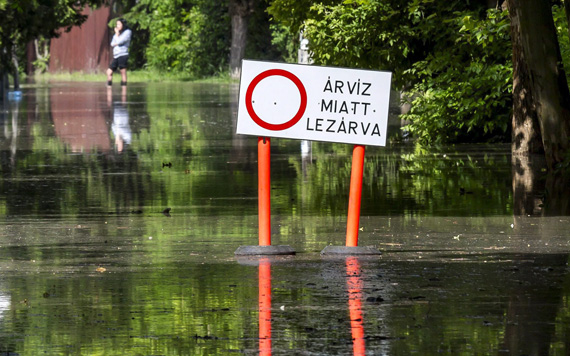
pixel 264 307
pixel 354 306
pixel 355 196
pixel 264 189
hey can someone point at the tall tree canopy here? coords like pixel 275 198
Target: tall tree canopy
pixel 454 62
pixel 201 37
pixel 452 58
pixel 189 36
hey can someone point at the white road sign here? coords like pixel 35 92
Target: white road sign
pixel 315 103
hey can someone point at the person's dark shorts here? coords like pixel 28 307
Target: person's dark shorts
pixel 120 62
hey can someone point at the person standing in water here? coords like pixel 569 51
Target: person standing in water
pixel 120 44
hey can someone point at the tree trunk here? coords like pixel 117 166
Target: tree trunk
pixel 543 87
pixel 239 12
pixel 4 68
pixel 15 71
pixel 3 87
pixel 526 138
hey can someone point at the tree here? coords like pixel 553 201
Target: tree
pixel 540 88
pixel 240 11
pixel 452 58
pixel 526 138
pixel 24 20
pixel 203 37
pixel 182 36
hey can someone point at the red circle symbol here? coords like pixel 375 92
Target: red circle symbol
pixel 253 114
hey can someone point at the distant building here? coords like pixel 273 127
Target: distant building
pixel 84 48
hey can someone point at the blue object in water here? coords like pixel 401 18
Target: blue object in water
pixel 15 95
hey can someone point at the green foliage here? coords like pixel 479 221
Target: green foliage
pixel 189 36
pixel 450 58
pixel 388 35
pixel 463 93
pixel 24 20
pixel 285 42
pixel 266 41
pixel 192 37
pixel 561 25
pixel 41 64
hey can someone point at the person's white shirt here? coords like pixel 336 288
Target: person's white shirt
pixel 120 43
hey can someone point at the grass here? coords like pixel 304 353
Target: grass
pixel 134 76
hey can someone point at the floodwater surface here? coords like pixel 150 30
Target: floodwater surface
pixel 121 210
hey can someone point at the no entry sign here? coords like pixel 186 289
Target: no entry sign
pixel 313 103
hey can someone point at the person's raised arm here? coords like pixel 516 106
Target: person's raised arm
pixel 120 39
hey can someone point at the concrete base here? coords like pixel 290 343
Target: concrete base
pixel 264 250
pixel 350 250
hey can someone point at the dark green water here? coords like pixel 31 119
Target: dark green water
pixel 90 265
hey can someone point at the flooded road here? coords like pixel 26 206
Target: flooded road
pixel 93 263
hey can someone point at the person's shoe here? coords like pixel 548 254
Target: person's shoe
pixel 123 84
pixel 109 83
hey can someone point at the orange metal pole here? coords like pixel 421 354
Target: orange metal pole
pixel 354 285
pixel 264 190
pixel 355 195
pixel 264 281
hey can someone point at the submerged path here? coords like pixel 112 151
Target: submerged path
pixel 93 262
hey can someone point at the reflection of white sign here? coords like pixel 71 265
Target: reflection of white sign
pixel 313 103
pixel 4 304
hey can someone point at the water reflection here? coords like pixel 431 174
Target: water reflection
pixel 80 120
pixel 121 128
pixel 193 129
pixel 13 135
pixel 9 112
pixel 306 156
pixel 534 306
pixel 264 307
pixel 354 287
pixel 83 238
pixel 4 304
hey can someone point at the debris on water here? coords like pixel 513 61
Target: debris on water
pixel 375 299
pixel 101 269
pixel 169 165
pixel 166 212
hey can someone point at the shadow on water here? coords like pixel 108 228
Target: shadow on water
pixel 475 242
